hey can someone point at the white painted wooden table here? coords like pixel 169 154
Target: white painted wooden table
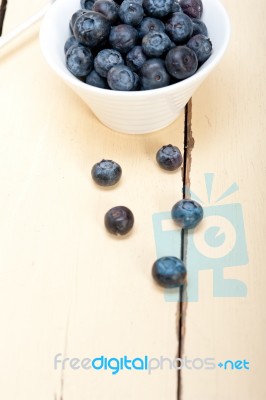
pixel 67 287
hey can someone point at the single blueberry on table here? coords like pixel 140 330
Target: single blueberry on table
pixel 155 44
pixel 169 157
pixel 135 58
pixel 199 27
pixel 181 62
pixel 148 25
pixel 120 77
pixel 169 272
pixel 70 41
pixel 123 38
pixel 193 8
pixel 153 74
pixel 105 60
pixel 79 60
pixel 157 8
pixel 119 220
pixel 179 27
pixel 187 213
pixel 131 12
pixel 106 173
pixel 87 4
pixel 96 80
pixel 108 8
pixel 202 46
pixel 91 28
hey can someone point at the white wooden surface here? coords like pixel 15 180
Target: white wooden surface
pixel 66 286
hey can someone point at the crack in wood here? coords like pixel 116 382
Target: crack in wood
pixel 182 306
pixel 3 8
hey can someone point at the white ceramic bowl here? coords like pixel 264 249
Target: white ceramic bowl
pixel 140 111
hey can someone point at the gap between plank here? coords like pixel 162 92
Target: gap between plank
pixel 3 7
pixel 182 305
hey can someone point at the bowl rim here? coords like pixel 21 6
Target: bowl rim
pixel 73 81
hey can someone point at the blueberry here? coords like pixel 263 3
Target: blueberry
pixel 131 12
pixel 135 58
pixel 153 74
pixel 91 28
pixel 199 27
pixel 157 8
pixel 123 37
pixel 181 62
pixel 119 220
pixel 155 44
pixel 179 27
pixel 136 81
pixel 169 157
pixel 121 78
pixel 108 8
pixel 193 8
pixel 148 25
pixel 87 4
pixel 176 7
pixel 75 16
pixel 79 60
pixel 70 41
pixel 202 46
pixel 187 213
pixel 105 60
pixel 96 80
pixel 106 173
pixel 169 272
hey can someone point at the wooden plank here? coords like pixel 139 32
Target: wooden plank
pixel 228 126
pixel 66 286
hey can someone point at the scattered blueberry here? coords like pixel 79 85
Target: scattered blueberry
pixel 135 58
pixel 155 44
pixel 181 62
pixel 96 80
pixel 105 60
pixel 70 41
pixel 199 27
pixel 119 220
pixel 153 74
pixel 157 8
pixel 169 272
pixel 121 78
pixel 202 46
pixel 149 24
pixel 106 173
pixel 187 213
pixel 179 27
pixel 169 157
pixel 108 8
pixel 123 38
pixel 91 28
pixel 193 8
pixel 131 12
pixel 79 60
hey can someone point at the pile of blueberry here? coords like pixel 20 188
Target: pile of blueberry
pixel 168 272
pixel 136 44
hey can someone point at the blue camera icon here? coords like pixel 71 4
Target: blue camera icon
pixel 218 242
